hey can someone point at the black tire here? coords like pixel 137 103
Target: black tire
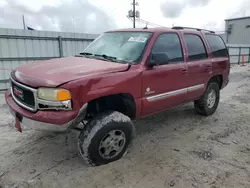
pixel 202 106
pixel 90 138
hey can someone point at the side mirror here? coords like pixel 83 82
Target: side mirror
pixel 158 58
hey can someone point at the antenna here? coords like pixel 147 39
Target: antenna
pixel 24 26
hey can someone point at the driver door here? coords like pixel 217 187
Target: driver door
pixel 165 85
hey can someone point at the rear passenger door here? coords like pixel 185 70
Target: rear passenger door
pixel 199 65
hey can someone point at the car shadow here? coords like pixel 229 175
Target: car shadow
pixel 51 150
pixel 157 121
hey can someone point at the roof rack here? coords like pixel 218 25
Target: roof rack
pixel 179 27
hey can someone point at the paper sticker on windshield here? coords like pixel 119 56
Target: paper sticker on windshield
pixel 137 39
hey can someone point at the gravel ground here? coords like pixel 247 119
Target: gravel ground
pixel 173 149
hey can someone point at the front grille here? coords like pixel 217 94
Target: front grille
pixel 23 95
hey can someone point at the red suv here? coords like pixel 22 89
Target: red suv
pixel 123 75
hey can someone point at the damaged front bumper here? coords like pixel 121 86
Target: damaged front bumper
pixel 55 121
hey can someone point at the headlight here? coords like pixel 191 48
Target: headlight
pixel 53 94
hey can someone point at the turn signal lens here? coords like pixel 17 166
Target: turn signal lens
pixel 63 95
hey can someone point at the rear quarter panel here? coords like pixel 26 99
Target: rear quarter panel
pixel 220 65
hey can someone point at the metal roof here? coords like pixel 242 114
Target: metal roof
pixel 239 18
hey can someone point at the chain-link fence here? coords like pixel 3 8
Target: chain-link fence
pixel 239 54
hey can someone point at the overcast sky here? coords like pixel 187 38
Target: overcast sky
pixel 96 16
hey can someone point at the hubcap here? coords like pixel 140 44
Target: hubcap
pixel 211 98
pixel 112 144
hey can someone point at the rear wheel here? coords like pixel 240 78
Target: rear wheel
pixel 106 138
pixel 209 102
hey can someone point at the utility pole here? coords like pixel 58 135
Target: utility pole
pixel 134 13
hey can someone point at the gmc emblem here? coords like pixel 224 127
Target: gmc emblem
pixel 18 93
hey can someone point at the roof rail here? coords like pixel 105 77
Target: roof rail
pixel 179 27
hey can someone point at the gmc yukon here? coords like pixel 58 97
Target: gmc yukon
pixel 122 75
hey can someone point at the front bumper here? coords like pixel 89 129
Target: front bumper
pixel 56 121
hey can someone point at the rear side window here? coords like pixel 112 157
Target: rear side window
pixel 196 48
pixel 217 46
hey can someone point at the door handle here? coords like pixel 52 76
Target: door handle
pixel 208 67
pixel 184 71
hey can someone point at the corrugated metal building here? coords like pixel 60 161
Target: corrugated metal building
pixel 238 30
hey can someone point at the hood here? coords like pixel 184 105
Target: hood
pixel 54 72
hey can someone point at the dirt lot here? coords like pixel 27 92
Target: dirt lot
pixel 173 149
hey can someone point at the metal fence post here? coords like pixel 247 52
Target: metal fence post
pixel 249 55
pixel 239 55
pixel 228 49
pixel 60 46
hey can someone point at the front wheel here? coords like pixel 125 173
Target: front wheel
pixel 209 102
pixel 106 138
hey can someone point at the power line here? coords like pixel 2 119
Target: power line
pixel 150 23
pixel 146 22
pixel 157 25
pixel 134 16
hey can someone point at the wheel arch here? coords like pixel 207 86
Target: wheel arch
pixel 121 102
pixel 218 79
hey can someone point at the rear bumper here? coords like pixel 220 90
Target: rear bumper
pixel 56 121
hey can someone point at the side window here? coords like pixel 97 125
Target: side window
pixel 217 46
pixel 196 48
pixel 169 43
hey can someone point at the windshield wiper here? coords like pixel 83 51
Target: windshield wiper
pixel 85 53
pixel 99 56
pixel 106 57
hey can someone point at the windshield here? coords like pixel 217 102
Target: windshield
pixel 123 47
